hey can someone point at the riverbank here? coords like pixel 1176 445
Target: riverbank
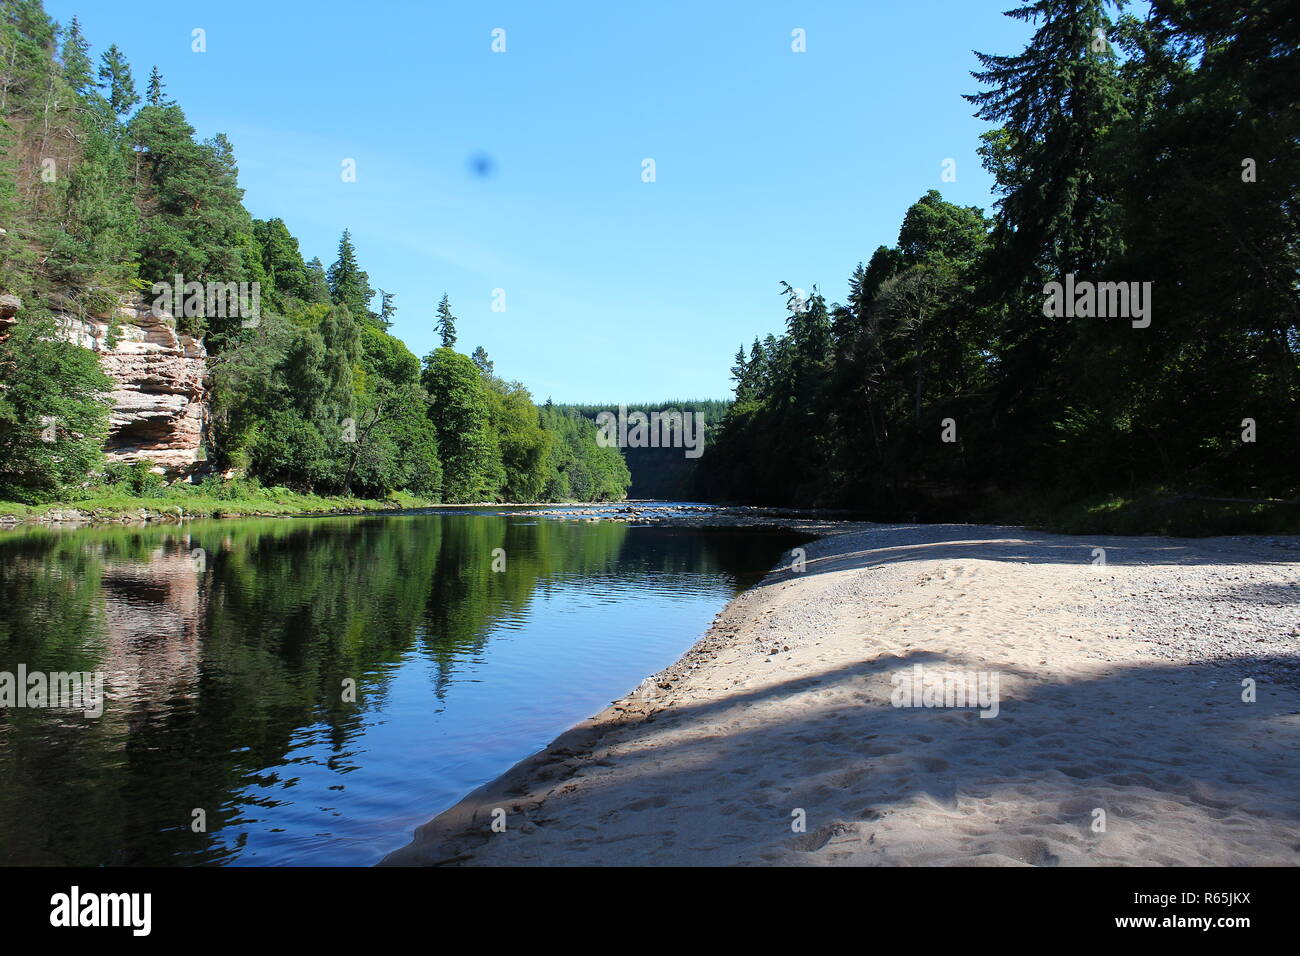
pixel 1140 514
pixel 1146 714
pixel 174 508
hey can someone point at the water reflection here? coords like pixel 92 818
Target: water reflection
pixel 229 649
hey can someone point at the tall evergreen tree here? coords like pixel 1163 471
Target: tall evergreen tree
pixel 282 261
pixel 78 70
pixel 348 285
pixel 740 374
pixel 154 94
pixel 189 191
pixel 445 324
pixel 318 286
pixel 1055 103
pixel 1058 103
pixel 115 76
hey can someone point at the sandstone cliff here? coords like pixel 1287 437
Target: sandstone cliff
pixel 160 400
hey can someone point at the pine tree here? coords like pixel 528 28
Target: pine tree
pixel 282 260
pixel 756 369
pixel 386 309
pixel 154 95
pixel 318 286
pixel 445 325
pixel 348 285
pixel 480 357
pixel 1058 103
pixel 77 66
pixel 115 76
pixel 739 373
pixel 1055 102
pixel 196 223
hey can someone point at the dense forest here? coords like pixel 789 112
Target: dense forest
pixel 1164 150
pixel 1146 168
pixel 664 473
pixel 105 191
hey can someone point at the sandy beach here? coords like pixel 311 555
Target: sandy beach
pixel 1145 711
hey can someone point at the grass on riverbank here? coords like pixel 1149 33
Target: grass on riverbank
pixel 231 499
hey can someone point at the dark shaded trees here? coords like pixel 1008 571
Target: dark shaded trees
pixel 1161 150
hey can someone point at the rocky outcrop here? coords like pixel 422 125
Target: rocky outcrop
pixel 160 400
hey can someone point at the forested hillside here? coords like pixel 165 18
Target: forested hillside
pixel 104 191
pixel 664 473
pixel 1160 152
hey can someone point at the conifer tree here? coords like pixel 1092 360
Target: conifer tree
pixel 445 325
pixel 318 287
pixel 77 66
pixel 154 94
pixel 197 223
pixel 115 76
pixel 1055 103
pixel 739 374
pixel 386 309
pixel 348 285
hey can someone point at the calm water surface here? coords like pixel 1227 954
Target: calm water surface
pixel 225 647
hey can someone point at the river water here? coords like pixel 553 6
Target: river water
pixel 307 691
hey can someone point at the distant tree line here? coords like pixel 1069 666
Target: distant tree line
pixel 664 473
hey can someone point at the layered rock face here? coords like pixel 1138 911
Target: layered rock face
pixel 159 400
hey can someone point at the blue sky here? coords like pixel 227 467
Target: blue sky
pixel 770 165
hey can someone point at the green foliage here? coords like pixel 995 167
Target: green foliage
pixel 194 223
pixel 283 264
pixel 98 238
pixel 290 450
pixel 415 438
pixel 387 357
pixel 318 287
pixel 460 407
pixel 315 396
pixel 115 77
pixel 1162 150
pixel 53 413
pixel 154 95
pixel 579 469
pixel 348 285
pixel 77 66
pixel 666 473
pixel 525 446
pixel 137 479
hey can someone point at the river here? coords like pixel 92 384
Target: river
pixel 306 691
